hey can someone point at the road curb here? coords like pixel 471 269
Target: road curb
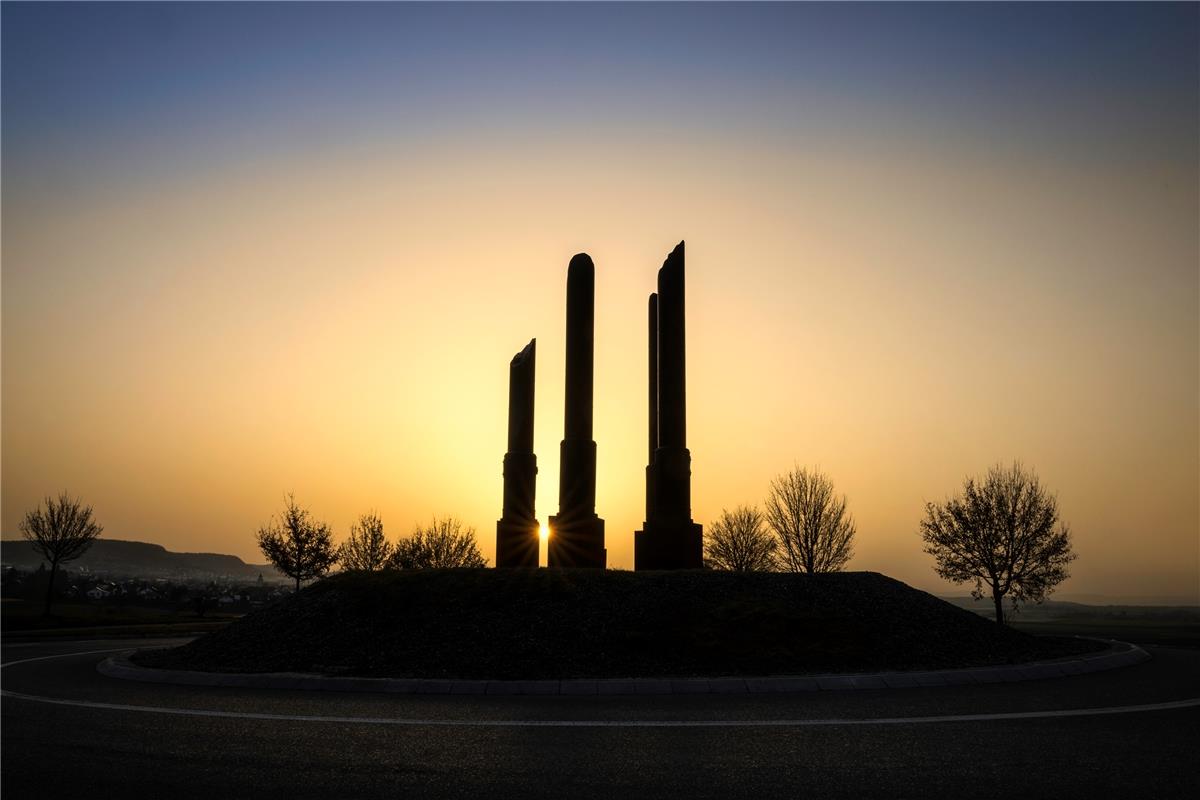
pixel 92 634
pixel 1119 654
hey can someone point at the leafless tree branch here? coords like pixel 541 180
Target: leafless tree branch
pixel 739 541
pixel 1001 533
pixel 61 533
pixel 814 528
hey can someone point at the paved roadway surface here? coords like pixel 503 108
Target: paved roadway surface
pixel 272 743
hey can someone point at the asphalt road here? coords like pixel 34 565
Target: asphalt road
pixel 181 742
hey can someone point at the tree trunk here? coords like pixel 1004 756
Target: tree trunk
pixel 297 585
pixel 999 600
pixel 50 588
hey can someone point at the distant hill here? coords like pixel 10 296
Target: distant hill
pixel 141 559
pixel 1067 609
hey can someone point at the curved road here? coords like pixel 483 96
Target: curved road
pixel 69 731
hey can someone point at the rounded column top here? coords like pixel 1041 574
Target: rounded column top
pixel 581 266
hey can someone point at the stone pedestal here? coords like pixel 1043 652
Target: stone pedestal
pixel 577 543
pixel 518 531
pixel 668 547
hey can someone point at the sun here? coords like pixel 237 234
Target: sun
pixel 544 531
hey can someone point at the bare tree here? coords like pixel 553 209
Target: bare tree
pixel 740 542
pixel 366 549
pixel 298 546
pixel 61 533
pixel 442 543
pixel 1002 533
pixel 815 532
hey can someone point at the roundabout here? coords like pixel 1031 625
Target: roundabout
pixel 1141 723
pixel 1117 655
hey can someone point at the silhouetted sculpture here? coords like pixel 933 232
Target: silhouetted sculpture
pixel 576 533
pixel 669 539
pixel 653 411
pixel 517 531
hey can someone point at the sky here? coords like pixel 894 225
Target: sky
pixel 258 249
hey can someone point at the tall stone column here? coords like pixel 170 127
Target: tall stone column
pixel 669 539
pixel 652 424
pixel 517 530
pixel 576 533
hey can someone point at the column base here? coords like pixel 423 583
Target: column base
pixel 577 543
pixel 668 546
pixel 517 543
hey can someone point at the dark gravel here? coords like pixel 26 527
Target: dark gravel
pixel 549 623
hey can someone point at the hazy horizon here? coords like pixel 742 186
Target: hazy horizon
pixel 252 250
pixel 962 592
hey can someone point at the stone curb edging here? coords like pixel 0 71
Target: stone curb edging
pixel 1119 654
pixel 91 634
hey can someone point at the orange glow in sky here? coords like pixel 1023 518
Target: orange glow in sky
pixel 196 323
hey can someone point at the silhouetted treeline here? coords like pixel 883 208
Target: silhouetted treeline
pixel 302 548
pixel 1002 532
